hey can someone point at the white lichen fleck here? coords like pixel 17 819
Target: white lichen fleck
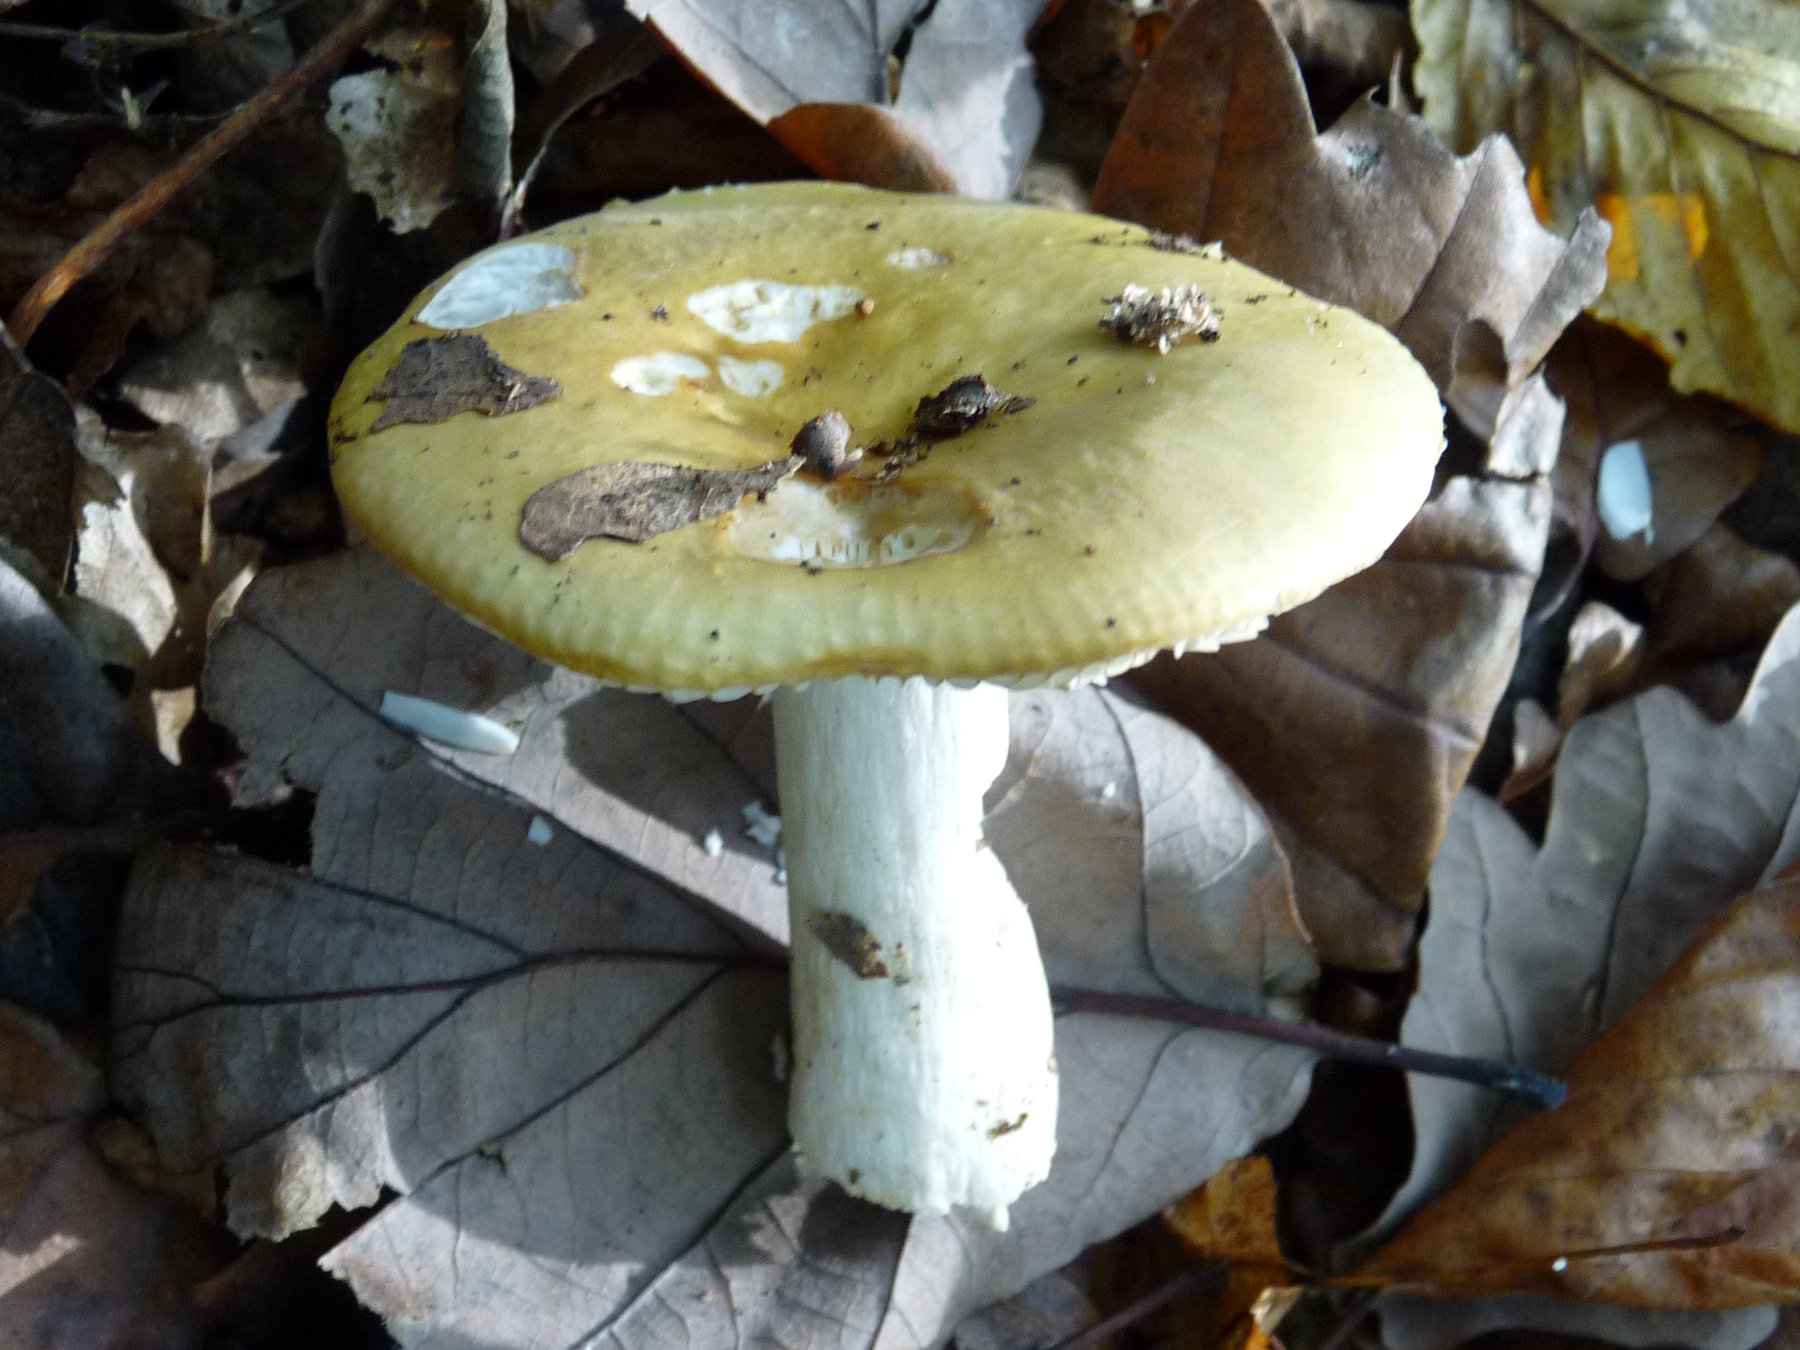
pixel 659 373
pixel 770 311
pixel 919 257
pixel 752 379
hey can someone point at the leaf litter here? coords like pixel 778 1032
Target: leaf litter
pixel 458 1004
pixel 1099 795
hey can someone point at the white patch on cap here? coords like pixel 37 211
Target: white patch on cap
pixel 658 373
pixel 770 311
pixel 851 525
pixel 917 257
pixel 752 379
pixel 517 279
pixel 1624 499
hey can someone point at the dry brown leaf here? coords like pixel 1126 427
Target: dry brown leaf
pixel 820 76
pixel 1606 651
pixel 1721 596
pixel 457 1003
pixel 1231 1220
pixel 1618 393
pixel 89 1261
pixel 1356 717
pixel 1659 816
pixel 1682 125
pixel 1668 1178
pixel 37 465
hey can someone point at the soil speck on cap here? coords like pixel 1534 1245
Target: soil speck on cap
pixel 660 314
pixel 436 378
pixel 823 444
pixel 1161 319
pixel 964 403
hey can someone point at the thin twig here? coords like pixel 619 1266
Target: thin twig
pixel 142 205
pixel 1190 1282
pixel 1360 1305
pixel 38 32
pixel 1539 1089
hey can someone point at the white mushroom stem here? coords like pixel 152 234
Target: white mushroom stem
pixel 924 1069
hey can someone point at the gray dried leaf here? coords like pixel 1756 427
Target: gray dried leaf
pixel 398 130
pixel 966 97
pixel 436 378
pixel 633 500
pixel 1356 717
pixel 563 1067
pixel 37 465
pixel 484 169
pixel 89 1260
pixel 1660 819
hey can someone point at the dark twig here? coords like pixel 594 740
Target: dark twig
pixel 1355 1313
pixel 1193 1281
pixel 38 32
pixel 1539 1089
pixel 143 205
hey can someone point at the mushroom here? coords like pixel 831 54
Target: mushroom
pixel 614 492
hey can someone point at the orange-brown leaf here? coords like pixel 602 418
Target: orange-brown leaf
pixel 1670 1178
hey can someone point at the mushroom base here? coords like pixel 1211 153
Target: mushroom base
pixel 924 1072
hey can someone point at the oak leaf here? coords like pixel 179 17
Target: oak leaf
pixel 1668 1179
pixel 1682 125
pixel 1355 718
pixel 821 77
pixel 564 1067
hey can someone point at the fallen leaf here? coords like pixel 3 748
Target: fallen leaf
pixel 484 167
pixel 1231 1220
pixel 398 127
pixel 1606 651
pixel 436 378
pixel 1683 130
pixel 1618 395
pixel 248 357
pixel 1411 1322
pixel 68 754
pixel 1355 718
pixel 37 464
pixel 1666 1178
pixel 90 1262
pixel 818 75
pixel 635 501
pixel 1045 1313
pixel 1658 816
pixel 1232 1217
pixel 468 1017
pixel 1720 596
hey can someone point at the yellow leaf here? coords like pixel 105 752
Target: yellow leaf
pixel 1681 126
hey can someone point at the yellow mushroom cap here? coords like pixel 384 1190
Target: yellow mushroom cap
pixel 1143 499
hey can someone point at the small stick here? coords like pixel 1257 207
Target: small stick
pixel 142 205
pixel 101 37
pixel 1540 1090
pixel 1194 1280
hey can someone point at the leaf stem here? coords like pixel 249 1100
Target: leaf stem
pixel 1540 1090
